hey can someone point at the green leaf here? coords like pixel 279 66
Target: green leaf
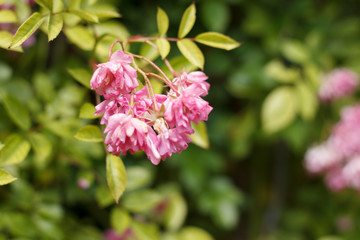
pixel 86 15
pixel 191 51
pixel 145 231
pixel 45 4
pixel 5 177
pixel 162 21
pixel 149 52
pixel 142 200
pixel 217 40
pixel 137 177
pixel 5 40
pixel 120 219
pixel 41 145
pixel 55 26
pixel 194 233
pixel 307 101
pixel 103 196
pixel 115 176
pixel 164 47
pixel 27 29
pixel 80 75
pixel 295 51
pixel 200 137
pixel 175 212
pixel 60 128
pixel 104 10
pixel 276 70
pixel 187 21
pixel 1 146
pixel 17 111
pixel 87 111
pixel 279 109
pixel 90 133
pixel 81 37
pixel 15 151
pixel 7 16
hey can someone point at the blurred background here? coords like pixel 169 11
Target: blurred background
pixel 250 184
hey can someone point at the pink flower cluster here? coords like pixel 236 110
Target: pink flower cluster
pixel 137 120
pixel 339 156
pixel 337 84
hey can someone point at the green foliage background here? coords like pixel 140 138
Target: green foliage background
pixel 250 183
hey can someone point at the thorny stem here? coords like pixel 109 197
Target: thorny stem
pixel 152 64
pixel 164 80
pixel 165 59
pixel 113 44
pixel 139 38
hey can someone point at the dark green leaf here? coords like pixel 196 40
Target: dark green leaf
pixel 45 4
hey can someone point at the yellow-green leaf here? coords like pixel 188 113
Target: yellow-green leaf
pixel 162 21
pixel 55 25
pixel 279 109
pixel 200 137
pixel 17 111
pixel 80 75
pixel 142 200
pixel 27 29
pixel 120 219
pixel 191 51
pixel 175 212
pixel 5 177
pixel 15 151
pixel 41 146
pixel 307 100
pixel 276 70
pixel 187 21
pixel 103 10
pixel 217 40
pixel 86 15
pixel 295 51
pixel 81 37
pixel 87 111
pixel 45 4
pixel 115 176
pixel 164 47
pixel 194 233
pixel 7 16
pixel 90 133
pixel 5 40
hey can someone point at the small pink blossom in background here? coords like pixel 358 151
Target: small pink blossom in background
pixel 339 156
pixel 320 158
pixel 83 183
pixel 337 84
